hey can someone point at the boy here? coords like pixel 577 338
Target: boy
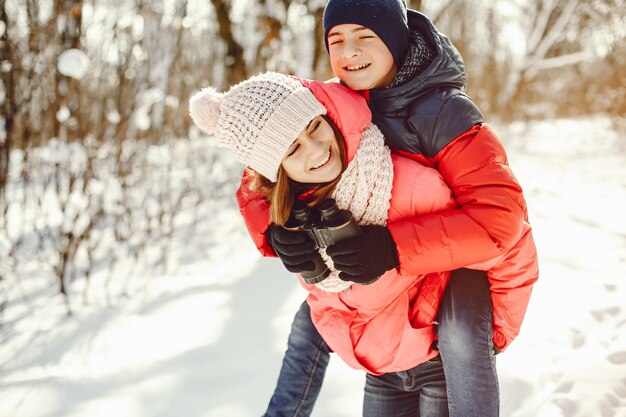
pixel 414 81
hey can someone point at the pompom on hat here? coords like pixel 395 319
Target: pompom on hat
pixel 204 108
pixel 258 118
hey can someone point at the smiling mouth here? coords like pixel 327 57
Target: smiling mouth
pixel 356 67
pixel 324 162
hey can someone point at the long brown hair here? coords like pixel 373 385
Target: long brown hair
pixel 284 192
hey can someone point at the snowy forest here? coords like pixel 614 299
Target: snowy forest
pixel 106 185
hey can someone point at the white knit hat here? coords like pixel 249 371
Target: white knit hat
pixel 258 118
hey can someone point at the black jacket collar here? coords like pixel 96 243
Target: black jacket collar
pixel 446 69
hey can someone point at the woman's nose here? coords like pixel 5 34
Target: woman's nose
pixel 314 147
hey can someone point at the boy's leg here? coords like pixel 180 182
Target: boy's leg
pixel 303 369
pixel 420 391
pixel 466 345
pixel 385 396
pixel 432 385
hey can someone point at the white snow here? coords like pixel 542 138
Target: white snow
pixel 207 341
pixel 73 63
pixel 113 116
pixel 142 119
pixel 172 101
pixel 63 114
pixel 146 100
pixel 6 66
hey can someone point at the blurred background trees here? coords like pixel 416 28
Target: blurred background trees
pixel 524 58
pixel 101 83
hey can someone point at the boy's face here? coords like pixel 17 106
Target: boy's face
pixel 359 57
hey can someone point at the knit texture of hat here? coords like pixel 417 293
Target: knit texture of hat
pixel 258 119
pixel 386 18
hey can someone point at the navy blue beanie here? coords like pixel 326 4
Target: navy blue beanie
pixel 386 18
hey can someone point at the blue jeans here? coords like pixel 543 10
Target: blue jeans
pixel 417 392
pixel 303 369
pixel 465 344
pixel 465 335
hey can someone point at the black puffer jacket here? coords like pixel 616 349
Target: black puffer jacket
pixel 426 113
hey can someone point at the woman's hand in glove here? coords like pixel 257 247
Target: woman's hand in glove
pixel 363 259
pixel 294 248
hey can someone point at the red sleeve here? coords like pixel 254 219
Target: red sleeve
pixel 255 211
pixel 491 210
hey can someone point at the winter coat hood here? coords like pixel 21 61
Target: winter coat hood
pixel 446 69
pixel 346 108
pixel 425 113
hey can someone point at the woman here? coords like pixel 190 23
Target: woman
pixel 308 140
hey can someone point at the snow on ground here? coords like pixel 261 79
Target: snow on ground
pixel 207 341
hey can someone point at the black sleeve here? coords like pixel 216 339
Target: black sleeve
pixel 438 119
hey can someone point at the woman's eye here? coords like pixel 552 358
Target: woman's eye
pixel 336 42
pixel 316 124
pixel 292 151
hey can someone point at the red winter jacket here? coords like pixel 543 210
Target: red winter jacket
pixel 386 326
pixel 489 231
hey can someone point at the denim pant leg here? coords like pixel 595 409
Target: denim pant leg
pixel 418 392
pixel 466 345
pixel 303 369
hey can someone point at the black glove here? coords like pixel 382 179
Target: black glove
pixel 294 248
pixel 363 259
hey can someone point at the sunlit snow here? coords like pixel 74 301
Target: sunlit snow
pixel 113 117
pixel 207 339
pixel 73 63
pixel 63 114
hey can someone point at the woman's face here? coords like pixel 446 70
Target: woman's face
pixel 314 156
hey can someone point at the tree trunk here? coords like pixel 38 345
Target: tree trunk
pixel 8 109
pixel 233 62
pixel 547 24
pixel 268 47
pixel 321 63
pixel 69 13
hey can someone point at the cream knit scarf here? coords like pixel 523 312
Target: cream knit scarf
pixel 365 190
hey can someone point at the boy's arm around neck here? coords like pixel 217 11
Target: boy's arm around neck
pixel 489 220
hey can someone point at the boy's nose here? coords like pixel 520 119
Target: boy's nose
pixel 351 50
